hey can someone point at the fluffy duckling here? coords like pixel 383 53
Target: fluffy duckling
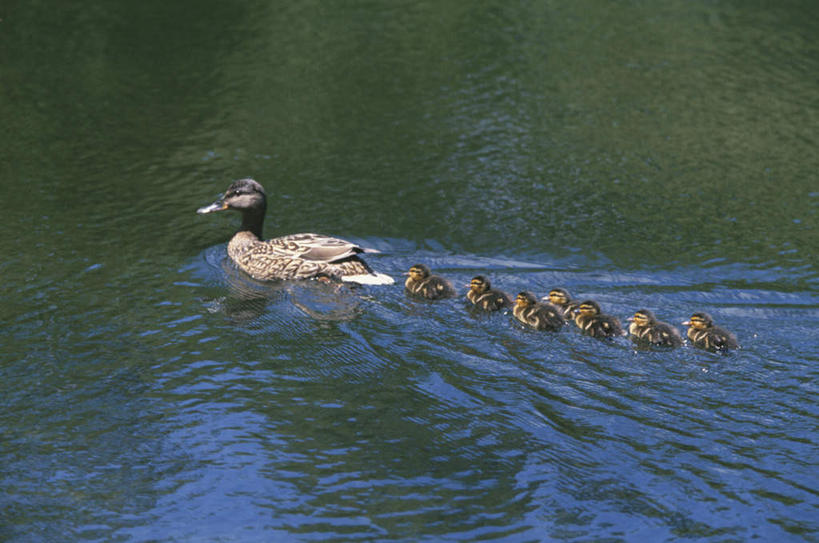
pixel 596 324
pixel 703 334
pixel 645 327
pixel 482 295
pixel 296 256
pixel 561 299
pixel 537 315
pixel 422 283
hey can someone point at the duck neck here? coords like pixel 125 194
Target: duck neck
pixel 252 221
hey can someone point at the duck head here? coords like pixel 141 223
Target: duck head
pixel 559 296
pixel 243 194
pixel 418 272
pixel 588 308
pixel 246 196
pixel 479 284
pixel 699 321
pixel 643 317
pixel 525 299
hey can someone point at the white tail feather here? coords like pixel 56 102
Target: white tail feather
pixel 369 279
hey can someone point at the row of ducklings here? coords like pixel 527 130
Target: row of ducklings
pixel 558 307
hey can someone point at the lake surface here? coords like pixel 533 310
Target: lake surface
pixel 647 155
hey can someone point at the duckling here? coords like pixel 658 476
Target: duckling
pixel 703 334
pixel 482 295
pixel 422 283
pixel 645 327
pixel 589 319
pixel 296 256
pixel 561 299
pixel 537 315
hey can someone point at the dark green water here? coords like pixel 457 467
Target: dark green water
pixel 646 154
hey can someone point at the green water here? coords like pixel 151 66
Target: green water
pixel 658 155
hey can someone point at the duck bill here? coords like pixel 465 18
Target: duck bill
pixel 686 323
pixel 218 205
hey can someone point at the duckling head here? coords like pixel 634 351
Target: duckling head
pixel 559 296
pixel 418 272
pixel 700 321
pixel 525 299
pixel 643 317
pixel 479 284
pixel 588 308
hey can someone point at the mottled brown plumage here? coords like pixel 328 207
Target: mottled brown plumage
pixel 483 296
pixel 537 315
pixel 593 322
pixel 703 334
pixel 561 299
pixel 645 328
pixel 296 256
pixel 422 283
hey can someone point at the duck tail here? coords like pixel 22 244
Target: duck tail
pixel 374 278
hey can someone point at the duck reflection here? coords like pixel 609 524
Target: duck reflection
pixel 322 299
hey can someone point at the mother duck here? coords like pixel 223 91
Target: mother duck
pixel 296 256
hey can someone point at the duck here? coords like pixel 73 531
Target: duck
pixel 535 314
pixel 421 282
pixel 294 256
pixel 560 298
pixel 482 295
pixel 704 334
pixel 646 328
pixel 591 320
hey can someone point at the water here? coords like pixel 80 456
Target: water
pixel 658 156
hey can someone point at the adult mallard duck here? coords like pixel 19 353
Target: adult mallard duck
pixel 535 314
pixel 595 323
pixel 646 328
pixel 482 295
pixel 422 283
pixel 561 299
pixel 703 334
pixel 297 256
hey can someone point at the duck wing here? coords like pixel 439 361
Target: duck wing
pixel 664 334
pixel 315 247
pixel 722 339
pixel 604 326
pixel 435 287
pixel 268 264
pixel 548 317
